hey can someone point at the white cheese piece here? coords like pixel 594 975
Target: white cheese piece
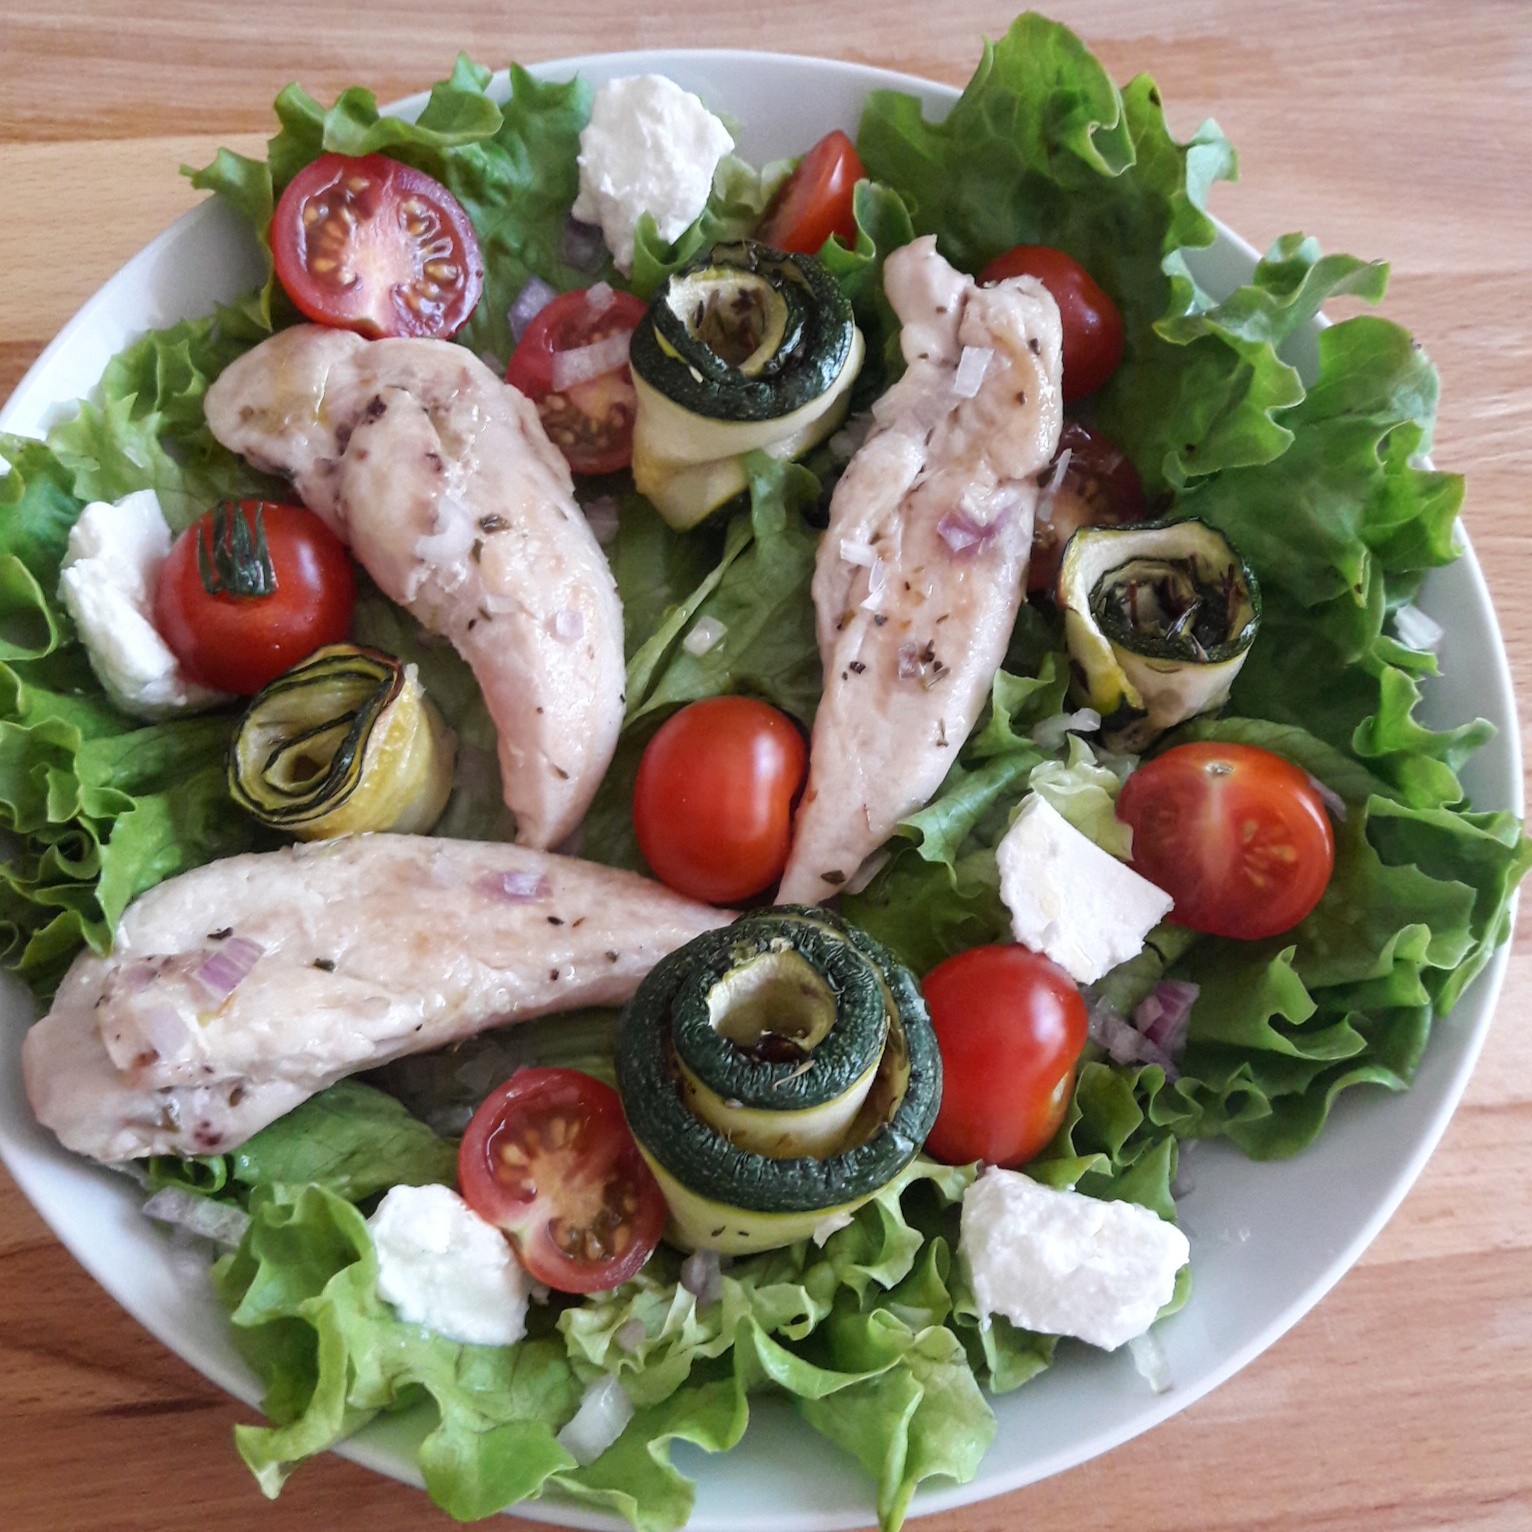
pixel 1069 899
pixel 650 147
pixel 1064 1264
pixel 107 585
pixel 444 1267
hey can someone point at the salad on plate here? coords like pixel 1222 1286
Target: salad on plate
pixel 907 701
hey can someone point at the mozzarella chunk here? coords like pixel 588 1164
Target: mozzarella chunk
pixel 650 147
pixel 1064 1264
pixel 444 1267
pixel 1069 899
pixel 107 585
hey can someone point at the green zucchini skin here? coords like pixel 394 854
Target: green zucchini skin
pixel 807 351
pixel 888 1130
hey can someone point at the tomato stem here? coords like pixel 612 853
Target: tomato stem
pixel 240 562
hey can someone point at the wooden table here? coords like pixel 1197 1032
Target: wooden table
pixel 1395 128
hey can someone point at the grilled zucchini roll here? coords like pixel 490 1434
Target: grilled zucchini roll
pixel 776 1072
pixel 1158 619
pixel 346 741
pixel 743 348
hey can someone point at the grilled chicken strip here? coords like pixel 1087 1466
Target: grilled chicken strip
pixel 923 568
pixel 236 991
pixel 445 486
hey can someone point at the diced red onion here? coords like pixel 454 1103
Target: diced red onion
pixel 847 441
pixel 594 361
pixel 533 298
pixel 492 361
pixel 1164 1014
pixel 604 1413
pixel 1150 1360
pixel 705 634
pixel 1331 799
pixel 1060 468
pixel 223 968
pixel 519 887
pixel 702 1276
pixel 862 554
pixel 568 625
pixel 582 244
pixel 1416 630
pixel 164 1029
pixel 220 1222
pixel 971 367
pixel 631 1335
pixel 877 580
pixel 1124 1043
pixel 865 874
pixel 599 297
pixel 909 662
pixel 601 513
pixel 139 976
pixel 1050 733
pixel 962 532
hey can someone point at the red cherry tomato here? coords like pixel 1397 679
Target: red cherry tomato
pixel 1100 488
pixel 815 200
pixel 1092 322
pixel 1010 1024
pixel 1237 836
pixel 548 1158
pixel 713 802
pixel 369 244
pixel 590 421
pixel 212 613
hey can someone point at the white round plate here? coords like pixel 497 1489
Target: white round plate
pixel 1268 1240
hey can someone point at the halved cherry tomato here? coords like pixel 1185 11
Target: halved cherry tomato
pixel 1100 488
pixel 713 802
pixel 1010 1024
pixel 591 421
pixel 1092 322
pixel 1236 835
pixel 270 584
pixel 815 200
pixel 548 1158
pixel 368 244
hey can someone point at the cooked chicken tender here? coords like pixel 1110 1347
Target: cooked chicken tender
pixel 923 567
pixel 236 991
pixel 443 483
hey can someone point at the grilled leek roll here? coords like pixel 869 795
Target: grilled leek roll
pixel 743 348
pixel 1158 619
pixel 346 741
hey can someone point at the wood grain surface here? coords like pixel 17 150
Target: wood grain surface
pixel 1398 128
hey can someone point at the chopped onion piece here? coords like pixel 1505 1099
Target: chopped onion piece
pixel 533 298
pixel 601 513
pixel 909 662
pixel 598 299
pixel 1050 733
pixel 1331 799
pixel 847 441
pixel 222 969
pixel 1059 469
pixel 165 1029
pixel 1416 630
pixel 705 634
pixel 866 872
pixel 1124 1043
pixel 446 549
pixel 582 244
pixel 631 1335
pixel 862 554
pixel 217 1221
pixel 961 530
pixel 1150 1360
pixel 594 361
pixel 1164 1014
pixel 514 887
pixel 604 1413
pixel 877 579
pixel 702 1276
pixel 568 625
pixel 971 367
pixel 831 1223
